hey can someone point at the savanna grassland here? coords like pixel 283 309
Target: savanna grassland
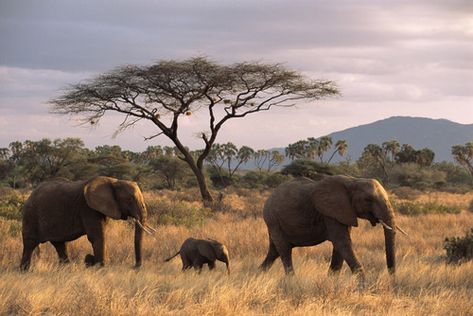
pixel 424 284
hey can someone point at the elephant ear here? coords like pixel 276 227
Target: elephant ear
pixel 207 250
pixel 331 198
pixel 99 195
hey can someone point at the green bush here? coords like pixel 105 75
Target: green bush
pixel 272 180
pixel 456 174
pixel 459 249
pixel 308 168
pixel 177 212
pixel 418 208
pixel 15 229
pixel 416 176
pixel 11 203
pixel 253 180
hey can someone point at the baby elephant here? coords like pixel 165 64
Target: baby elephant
pixel 197 252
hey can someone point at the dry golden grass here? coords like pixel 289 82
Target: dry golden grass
pixel 424 284
pixel 463 200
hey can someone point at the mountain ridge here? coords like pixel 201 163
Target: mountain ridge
pixel 420 132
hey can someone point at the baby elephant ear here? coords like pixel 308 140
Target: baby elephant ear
pixel 207 250
pixel 331 198
pixel 98 194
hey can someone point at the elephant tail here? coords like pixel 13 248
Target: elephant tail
pixel 170 258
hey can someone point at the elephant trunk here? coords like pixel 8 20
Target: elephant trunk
pixel 140 224
pixel 224 257
pixel 390 244
pixel 390 239
pixel 138 243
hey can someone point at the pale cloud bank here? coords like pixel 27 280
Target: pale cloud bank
pixel 389 58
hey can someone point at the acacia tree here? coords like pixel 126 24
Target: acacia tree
pixel 164 92
pixel 463 154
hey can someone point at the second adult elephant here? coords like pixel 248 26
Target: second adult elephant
pixel 61 211
pixel 303 213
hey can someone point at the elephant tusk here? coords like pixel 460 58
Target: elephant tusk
pixel 385 225
pixel 146 229
pixel 154 230
pixel 401 230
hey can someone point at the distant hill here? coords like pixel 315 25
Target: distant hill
pixel 437 134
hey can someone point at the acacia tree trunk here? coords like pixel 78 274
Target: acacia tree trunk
pixel 197 169
pixel 204 191
pixel 199 174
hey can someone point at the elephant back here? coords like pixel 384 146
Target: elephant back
pixel 289 200
pixel 52 211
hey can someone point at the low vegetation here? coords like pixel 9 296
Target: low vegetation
pixel 419 208
pixel 11 202
pixel 26 164
pixel 459 249
pixel 424 284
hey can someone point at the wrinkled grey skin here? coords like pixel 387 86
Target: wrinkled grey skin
pixel 61 211
pixel 197 252
pixel 303 213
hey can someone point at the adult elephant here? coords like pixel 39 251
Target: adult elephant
pixel 60 211
pixel 303 213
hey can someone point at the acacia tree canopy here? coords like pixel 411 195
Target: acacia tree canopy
pixel 163 92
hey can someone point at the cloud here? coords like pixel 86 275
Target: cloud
pixel 389 58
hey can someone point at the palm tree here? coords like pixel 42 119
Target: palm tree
pixel 341 147
pixel 391 147
pixel 325 143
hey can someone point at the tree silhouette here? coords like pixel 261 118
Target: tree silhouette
pixel 341 147
pixel 166 91
pixel 463 154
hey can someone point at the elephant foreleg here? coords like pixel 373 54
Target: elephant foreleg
pixel 61 250
pixel 339 235
pixel 95 234
pixel 28 248
pixel 270 257
pixel 336 263
pixel 94 226
pixel 99 249
pixel 211 265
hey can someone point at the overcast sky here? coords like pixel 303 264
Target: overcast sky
pixel 389 58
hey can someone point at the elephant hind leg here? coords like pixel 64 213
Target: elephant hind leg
pixel 284 249
pixel 29 246
pixel 270 257
pixel 186 263
pixel 61 250
pixel 336 263
pixel 198 264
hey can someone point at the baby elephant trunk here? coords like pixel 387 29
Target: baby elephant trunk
pixel 228 266
pixel 222 255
